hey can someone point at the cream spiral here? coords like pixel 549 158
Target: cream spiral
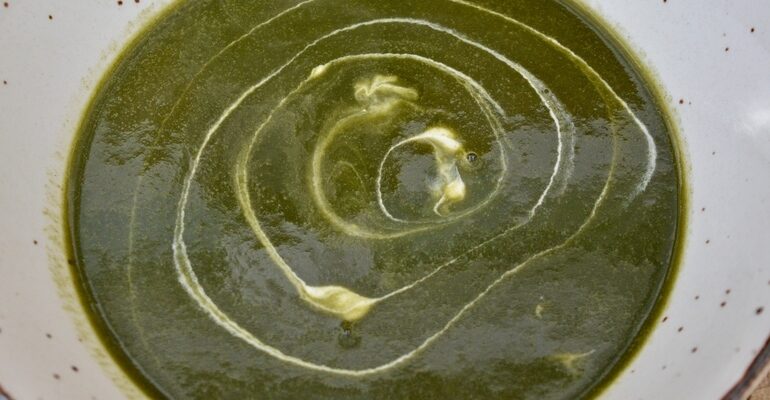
pixel 380 97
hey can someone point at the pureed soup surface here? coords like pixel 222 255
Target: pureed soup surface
pixel 375 200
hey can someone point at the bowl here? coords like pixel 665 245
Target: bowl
pixel 709 58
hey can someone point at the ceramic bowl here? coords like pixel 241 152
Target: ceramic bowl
pixel 711 59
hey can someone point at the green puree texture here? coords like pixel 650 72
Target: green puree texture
pixel 373 200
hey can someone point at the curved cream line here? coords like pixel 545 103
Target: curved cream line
pixel 442 150
pixel 361 304
pixel 351 167
pixel 196 291
pixel 192 286
pixel 652 150
pixel 545 95
pixel 354 306
pixel 140 178
pixel 480 95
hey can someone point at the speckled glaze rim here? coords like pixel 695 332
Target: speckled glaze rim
pixel 742 383
pixel 742 389
pixel 753 375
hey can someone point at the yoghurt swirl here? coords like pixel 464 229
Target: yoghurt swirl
pixel 389 168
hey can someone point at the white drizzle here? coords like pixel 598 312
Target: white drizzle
pixel 341 301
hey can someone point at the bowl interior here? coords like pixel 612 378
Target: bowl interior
pixel 710 60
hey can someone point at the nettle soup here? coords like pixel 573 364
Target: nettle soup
pixel 336 199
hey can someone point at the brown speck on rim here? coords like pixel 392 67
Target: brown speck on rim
pixel 759 310
pixel 48 335
pixel 681 101
pixel 681 328
pixel 752 29
pixel 74 368
pixel 703 209
pixel 694 349
pixel 56 376
pixel 5 4
pixel 708 241
pixel 34 242
pixel 5 82
pixel 722 304
pixel 136 1
pixel 50 16
pixel 697 296
pixel 120 2
pixel 728 291
pixel 665 319
pixel 727 49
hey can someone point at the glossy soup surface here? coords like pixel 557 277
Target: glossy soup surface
pixel 373 200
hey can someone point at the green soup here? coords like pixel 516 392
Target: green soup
pixel 373 200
